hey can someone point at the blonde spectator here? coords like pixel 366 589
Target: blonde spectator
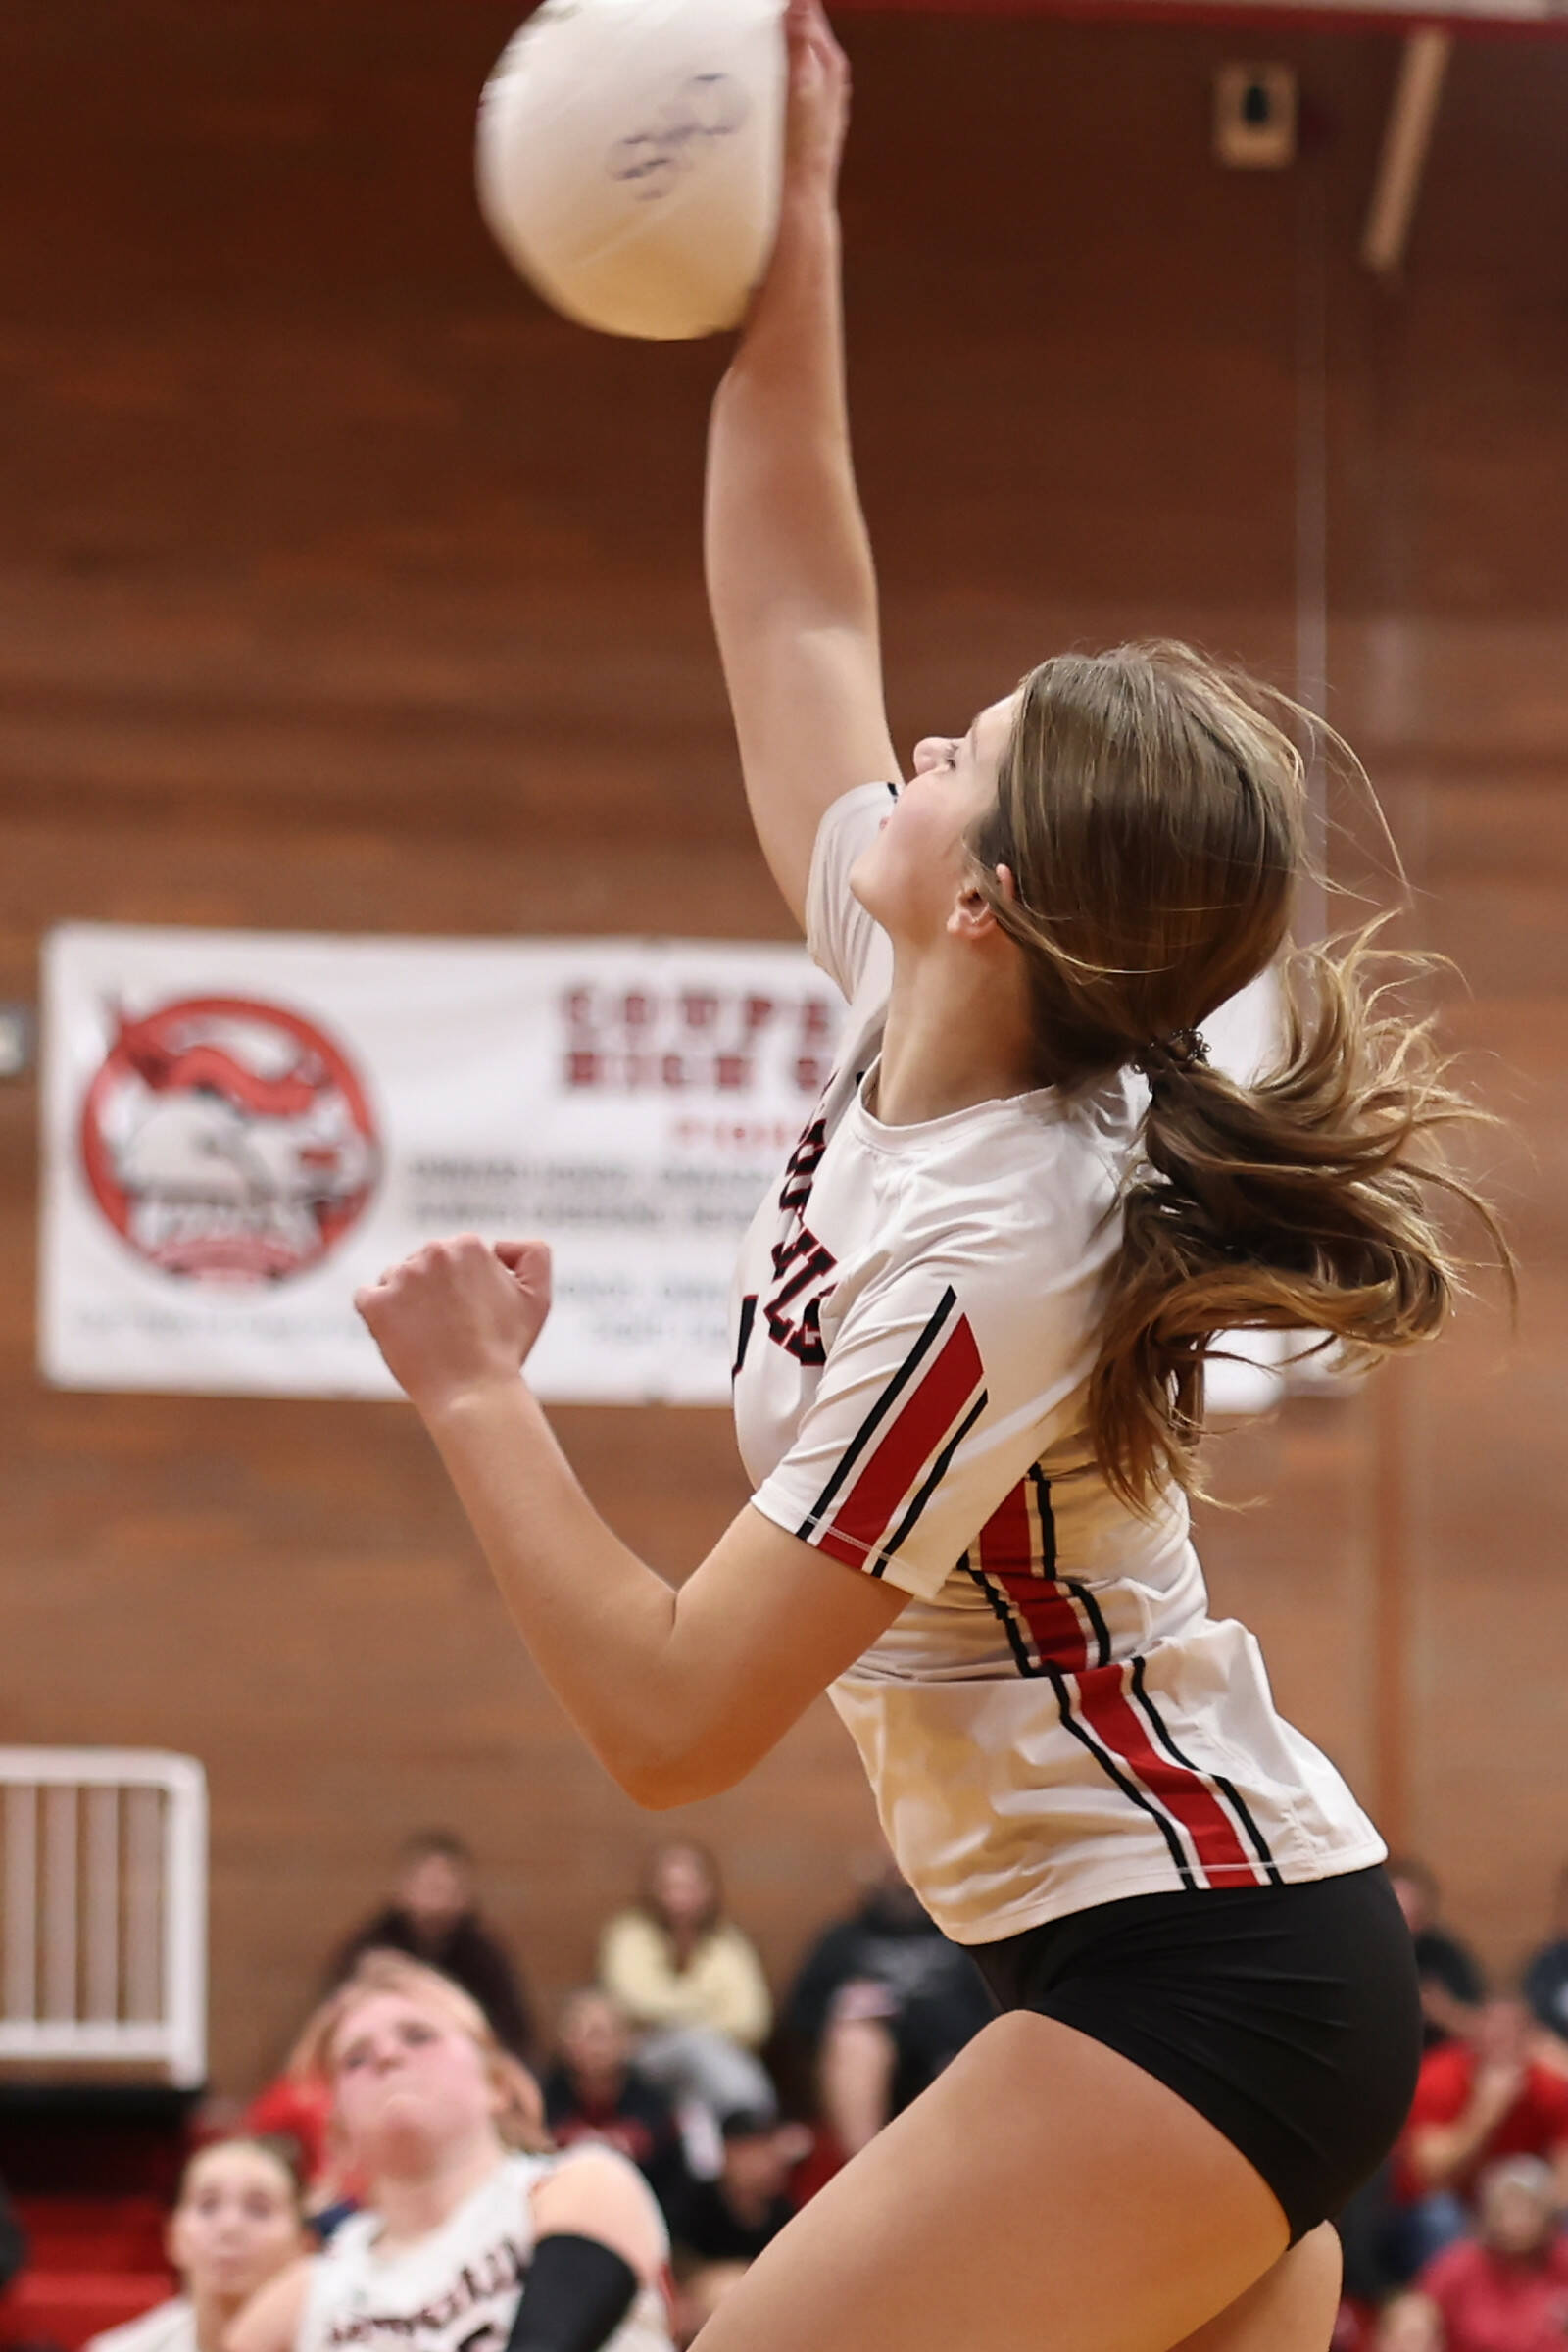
pixel 692 1986
pixel 237 2224
pixel 466 2215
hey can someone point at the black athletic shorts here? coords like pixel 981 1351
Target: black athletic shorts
pixel 1289 2016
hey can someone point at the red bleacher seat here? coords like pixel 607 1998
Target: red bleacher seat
pixel 92 2263
pixel 94 2233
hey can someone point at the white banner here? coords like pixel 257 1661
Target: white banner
pixel 242 1127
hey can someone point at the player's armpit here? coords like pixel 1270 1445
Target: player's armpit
pixel 761 1628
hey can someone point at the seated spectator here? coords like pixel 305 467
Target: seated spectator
pixel 1547 1973
pixel 432 1918
pixel 1452 1988
pixel 692 1986
pixel 884 2002
pixel 1475 2101
pixel 729 2220
pixel 236 2223
pixel 1507 2288
pixel 466 2217
pixel 593 2093
pixel 1409 2324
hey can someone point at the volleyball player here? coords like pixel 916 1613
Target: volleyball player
pixel 472 2235
pixel 970 1337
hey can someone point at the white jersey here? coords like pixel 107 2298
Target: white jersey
pixel 1053 1720
pixel 170 2327
pixel 458 2289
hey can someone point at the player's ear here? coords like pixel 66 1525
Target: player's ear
pixel 973 916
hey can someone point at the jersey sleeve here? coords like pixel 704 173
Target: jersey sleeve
pixel 841 938
pixel 937 1395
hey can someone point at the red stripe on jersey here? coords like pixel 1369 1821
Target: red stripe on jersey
pixel 865 1514
pixel 1186 1796
pixel 1010 1554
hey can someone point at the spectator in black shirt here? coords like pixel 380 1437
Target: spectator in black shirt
pixel 593 2093
pixel 884 2002
pixel 1547 1973
pixel 432 1918
pixel 1452 1988
pixel 728 2221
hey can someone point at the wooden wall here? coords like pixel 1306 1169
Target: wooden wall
pixel 341 587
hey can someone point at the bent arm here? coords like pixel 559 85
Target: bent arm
pixel 678 1692
pixel 1437 2153
pixel 1440 2153
pixel 790 577
pixel 271 2321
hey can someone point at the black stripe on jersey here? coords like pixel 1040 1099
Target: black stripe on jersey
pixel 1112 1770
pixel 878 1413
pixel 1069 1584
pixel 1095 1616
pixel 1233 1794
pixel 1047 1520
pixel 893 791
pixel 933 1478
pixel 1010 1624
pixel 744 1338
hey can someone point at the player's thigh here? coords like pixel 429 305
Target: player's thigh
pixel 1292 2308
pixel 1043 2195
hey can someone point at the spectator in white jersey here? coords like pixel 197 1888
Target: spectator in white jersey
pixel 473 2234
pixel 237 2222
pixel 969 1334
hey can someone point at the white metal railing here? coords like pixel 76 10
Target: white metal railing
pixel 104 1942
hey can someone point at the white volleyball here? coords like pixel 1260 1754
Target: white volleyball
pixel 629 159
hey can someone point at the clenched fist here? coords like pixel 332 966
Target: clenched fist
pixel 458 1317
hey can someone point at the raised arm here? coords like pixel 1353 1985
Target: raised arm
pixel 790 577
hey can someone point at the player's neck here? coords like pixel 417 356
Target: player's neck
pixel 412 2207
pixel 958 1033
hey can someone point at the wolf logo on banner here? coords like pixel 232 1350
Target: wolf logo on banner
pixel 227 1139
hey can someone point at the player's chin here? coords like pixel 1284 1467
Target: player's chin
pixel 891 893
pixel 869 881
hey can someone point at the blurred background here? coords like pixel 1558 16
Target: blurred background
pixel 344 589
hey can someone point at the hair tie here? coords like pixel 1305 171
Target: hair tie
pixel 1182 1050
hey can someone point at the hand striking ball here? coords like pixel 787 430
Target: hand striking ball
pixel 630 155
